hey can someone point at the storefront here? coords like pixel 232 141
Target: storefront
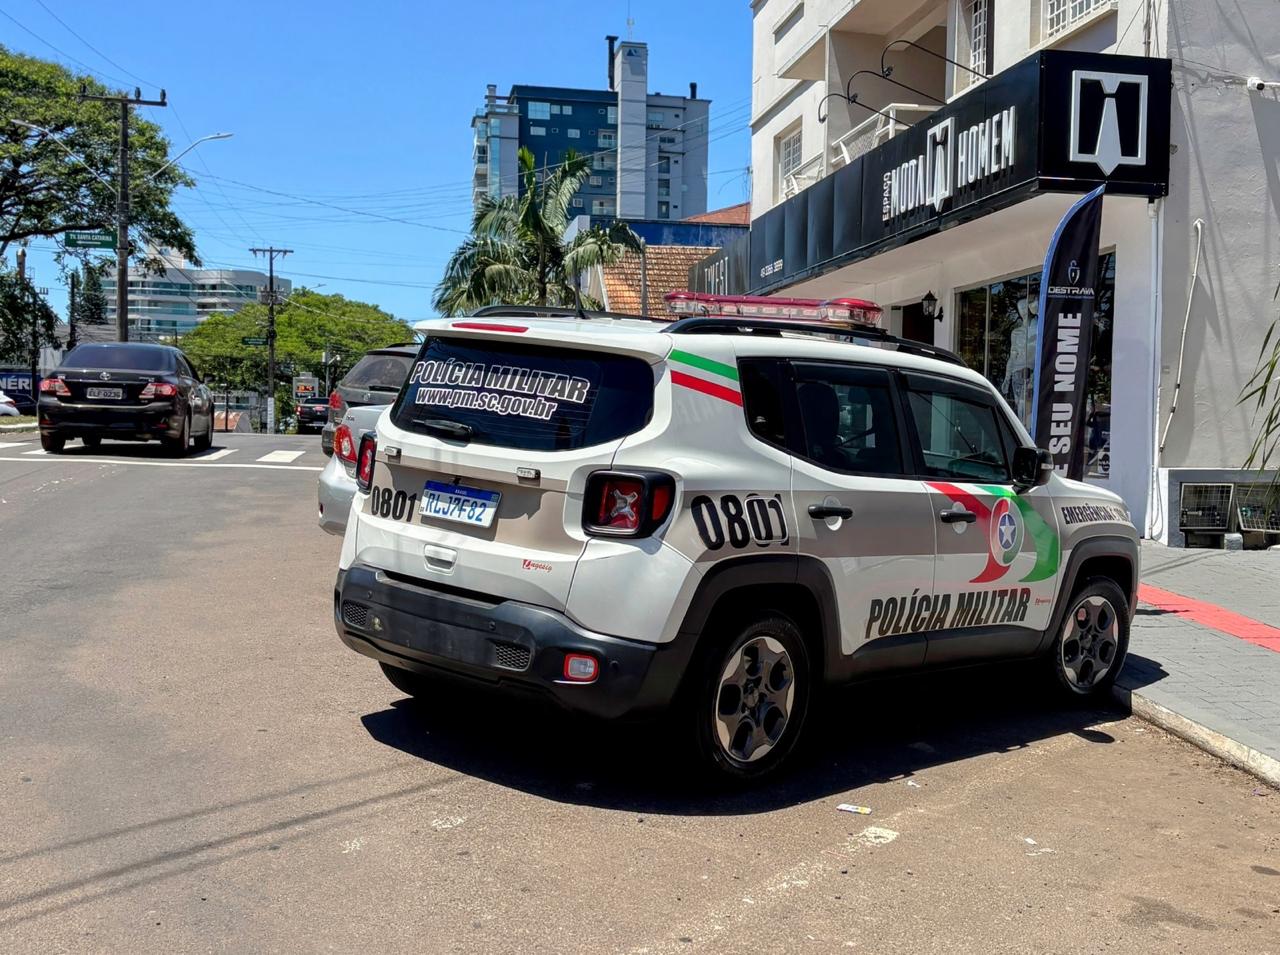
pixel 946 225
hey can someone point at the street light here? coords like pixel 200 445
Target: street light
pixel 202 139
pixel 122 207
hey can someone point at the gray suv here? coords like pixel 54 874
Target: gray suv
pixel 374 380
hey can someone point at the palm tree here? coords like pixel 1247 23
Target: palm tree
pixel 516 253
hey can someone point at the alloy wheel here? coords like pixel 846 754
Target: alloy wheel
pixel 1090 640
pixel 754 700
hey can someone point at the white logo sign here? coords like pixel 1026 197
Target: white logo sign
pixel 951 160
pixel 1106 152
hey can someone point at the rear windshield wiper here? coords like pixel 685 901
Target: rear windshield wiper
pixel 446 428
pixel 391 388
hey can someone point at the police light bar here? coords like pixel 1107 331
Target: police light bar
pixel 837 311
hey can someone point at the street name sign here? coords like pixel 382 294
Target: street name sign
pixel 89 240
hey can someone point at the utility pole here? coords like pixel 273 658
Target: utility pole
pixel 122 200
pixel 271 252
pixel 71 310
pixel 35 329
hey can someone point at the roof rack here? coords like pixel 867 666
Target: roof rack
pixel 731 325
pixel 550 311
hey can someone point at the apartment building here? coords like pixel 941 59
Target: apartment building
pixel 921 152
pixel 648 150
pixel 171 302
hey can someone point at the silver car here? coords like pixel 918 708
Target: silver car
pixel 338 479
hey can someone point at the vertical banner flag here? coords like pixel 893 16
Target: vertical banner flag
pixel 1065 335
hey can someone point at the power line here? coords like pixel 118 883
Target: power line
pixel 62 53
pixel 104 56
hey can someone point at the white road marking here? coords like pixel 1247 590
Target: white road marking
pixel 6 445
pixel 280 457
pixel 36 451
pixel 70 459
pixel 217 455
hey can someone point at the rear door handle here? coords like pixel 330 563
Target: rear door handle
pixel 824 511
pixel 955 516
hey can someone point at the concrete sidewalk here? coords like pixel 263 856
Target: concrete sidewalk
pixel 1201 672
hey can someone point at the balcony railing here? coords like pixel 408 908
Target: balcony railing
pixel 875 130
pixel 803 176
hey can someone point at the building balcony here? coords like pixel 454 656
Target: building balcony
pixel 874 130
pixel 800 46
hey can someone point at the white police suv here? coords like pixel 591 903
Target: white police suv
pixel 715 517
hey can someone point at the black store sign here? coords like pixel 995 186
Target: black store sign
pixel 1059 121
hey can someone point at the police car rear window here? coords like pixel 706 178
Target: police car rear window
pixel 529 397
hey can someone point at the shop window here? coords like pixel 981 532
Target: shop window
pixel 997 335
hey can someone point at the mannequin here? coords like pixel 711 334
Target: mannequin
pixel 1019 373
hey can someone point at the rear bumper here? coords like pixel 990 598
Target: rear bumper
pixel 503 643
pixel 334 491
pixel 157 420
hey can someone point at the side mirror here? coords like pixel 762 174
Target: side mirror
pixel 1031 467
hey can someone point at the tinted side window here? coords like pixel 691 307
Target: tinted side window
pixel 959 438
pixel 848 419
pixel 762 400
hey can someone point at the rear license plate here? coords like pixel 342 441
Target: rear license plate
pixel 105 393
pixel 462 505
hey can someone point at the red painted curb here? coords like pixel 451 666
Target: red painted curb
pixel 1212 616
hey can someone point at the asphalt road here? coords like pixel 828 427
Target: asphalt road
pixel 191 761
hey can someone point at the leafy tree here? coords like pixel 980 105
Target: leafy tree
pixel 91 303
pixel 308 325
pixel 21 306
pixel 517 252
pixel 44 191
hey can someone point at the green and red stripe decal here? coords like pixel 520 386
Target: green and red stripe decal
pixel 705 375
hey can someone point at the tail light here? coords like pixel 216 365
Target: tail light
pixel 158 389
pixel 627 503
pixel 297 409
pixel 55 386
pixel 337 407
pixel 364 461
pixel 344 444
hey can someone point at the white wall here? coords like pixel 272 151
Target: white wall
pixel 1226 171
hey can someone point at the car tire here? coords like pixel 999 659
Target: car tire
pixel 177 447
pixel 408 682
pixel 205 441
pixel 52 443
pixel 92 442
pixel 1092 642
pixel 748 698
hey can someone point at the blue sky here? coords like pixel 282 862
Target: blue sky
pixel 369 111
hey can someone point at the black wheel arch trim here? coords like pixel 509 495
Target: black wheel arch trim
pixel 754 570
pixel 1109 546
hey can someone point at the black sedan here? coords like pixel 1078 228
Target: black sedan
pixel 128 391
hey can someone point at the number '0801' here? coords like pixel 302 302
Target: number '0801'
pixel 384 502
pixel 738 522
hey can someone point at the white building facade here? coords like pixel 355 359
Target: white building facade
pixel 171 302
pixel 945 179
